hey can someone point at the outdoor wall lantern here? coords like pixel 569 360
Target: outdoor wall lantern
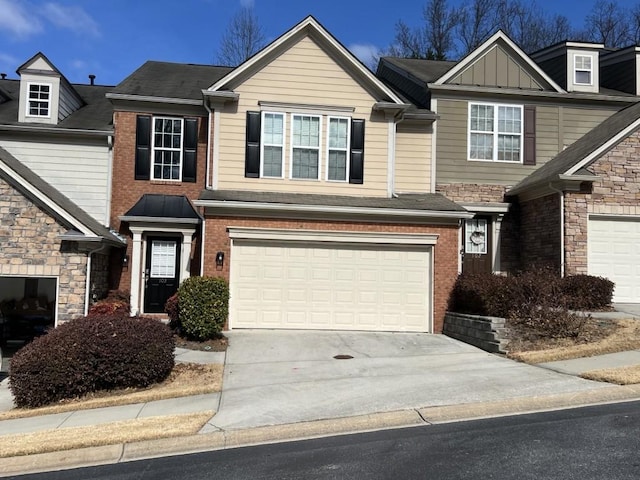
pixel 219 259
pixel 125 261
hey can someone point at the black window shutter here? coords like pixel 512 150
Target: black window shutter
pixel 529 135
pixel 252 155
pixel 356 161
pixel 189 149
pixel 143 147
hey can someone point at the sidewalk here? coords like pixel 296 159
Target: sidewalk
pixel 287 385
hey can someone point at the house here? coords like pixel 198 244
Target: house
pixel 299 176
pixel 55 160
pixel 541 149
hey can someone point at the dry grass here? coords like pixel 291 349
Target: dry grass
pixel 185 379
pixel 625 335
pixel 110 433
pixel 621 375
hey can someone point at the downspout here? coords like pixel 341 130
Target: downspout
pixel 561 193
pixel 87 286
pixel 208 174
pixel 109 179
pixel 393 131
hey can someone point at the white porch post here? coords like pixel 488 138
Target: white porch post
pixel 136 267
pixel 185 260
pixel 497 226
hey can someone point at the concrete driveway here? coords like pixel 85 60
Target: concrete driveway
pixel 276 377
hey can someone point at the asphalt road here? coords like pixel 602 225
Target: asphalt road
pixel 588 443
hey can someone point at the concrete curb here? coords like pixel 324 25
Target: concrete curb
pixel 307 430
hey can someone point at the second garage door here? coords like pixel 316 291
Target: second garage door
pixel 614 253
pixel 330 286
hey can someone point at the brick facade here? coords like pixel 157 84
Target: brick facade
pixel 31 247
pixel 126 191
pixel 445 252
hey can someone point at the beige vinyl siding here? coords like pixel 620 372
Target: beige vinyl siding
pixel 556 128
pixel 413 158
pixel 68 103
pixel 303 75
pixel 80 172
pixel 497 68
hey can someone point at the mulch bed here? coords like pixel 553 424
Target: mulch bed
pixel 218 344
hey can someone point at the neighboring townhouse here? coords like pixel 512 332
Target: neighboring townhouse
pixel 508 124
pixel 312 182
pixel 55 160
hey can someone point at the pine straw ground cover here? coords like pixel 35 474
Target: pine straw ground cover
pixel 599 337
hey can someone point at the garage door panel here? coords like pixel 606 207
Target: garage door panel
pixel 329 286
pixel 614 253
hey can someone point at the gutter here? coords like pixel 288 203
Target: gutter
pixel 60 131
pixel 149 98
pixel 330 209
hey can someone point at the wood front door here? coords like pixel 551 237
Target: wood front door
pixel 162 272
pixel 477 248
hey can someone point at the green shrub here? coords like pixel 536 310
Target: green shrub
pixel 586 292
pixel 97 352
pixel 203 306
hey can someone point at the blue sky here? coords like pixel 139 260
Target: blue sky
pixel 111 38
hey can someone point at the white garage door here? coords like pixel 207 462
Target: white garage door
pixel 614 253
pixel 331 286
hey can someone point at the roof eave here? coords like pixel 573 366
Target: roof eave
pixel 332 209
pixel 57 130
pixel 148 98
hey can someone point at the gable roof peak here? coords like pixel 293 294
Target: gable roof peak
pixel 483 48
pixel 311 27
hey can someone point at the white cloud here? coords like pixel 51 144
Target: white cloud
pixel 71 18
pixel 366 53
pixel 17 20
pixel 247 3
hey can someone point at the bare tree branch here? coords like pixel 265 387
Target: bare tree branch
pixel 243 37
pixel 608 23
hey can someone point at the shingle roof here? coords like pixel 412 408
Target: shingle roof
pixel 580 149
pixel 163 206
pixel 95 114
pixel 425 70
pixel 171 80
pixel 427 202
pixel 58 198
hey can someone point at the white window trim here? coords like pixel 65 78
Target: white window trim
pixel 347 150
pixel 263 143
pixel 495 133
pixel 576 69
pixel 318 148
pixel 153 149
pixel 49 101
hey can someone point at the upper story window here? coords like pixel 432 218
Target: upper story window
pixel 166 148
pixel 583 69
pixel 495 132
pixel 39 101
pixel 272 144
pixel 314 147
pixel 305 146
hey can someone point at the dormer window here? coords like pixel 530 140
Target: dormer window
pixel 583 69
pixel 39 101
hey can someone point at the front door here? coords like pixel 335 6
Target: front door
pixel 477 257
pixel 162 272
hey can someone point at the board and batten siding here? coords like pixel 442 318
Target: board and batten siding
pixel 413 158
pixel 80 172
pixel 497 68
pixel 306 75
pixel 556 128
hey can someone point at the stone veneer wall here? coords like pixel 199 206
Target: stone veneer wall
pixel 616 192
pixel 31 247
pixel 509 237
pixel 540 227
